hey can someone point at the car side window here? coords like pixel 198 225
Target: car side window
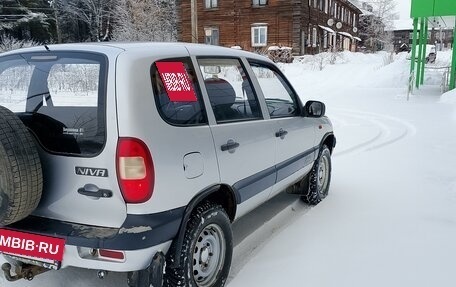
pixel 177 94
pixel 280 98
pixel 229 89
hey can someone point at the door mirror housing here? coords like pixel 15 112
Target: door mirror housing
pixel 314 109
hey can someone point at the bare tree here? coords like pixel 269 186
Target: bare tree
pixel 96 14
pixel 377 18
pixel 145 20
pixel 8 43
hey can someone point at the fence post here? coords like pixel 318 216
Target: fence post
pixel 453 61
pixel 423 58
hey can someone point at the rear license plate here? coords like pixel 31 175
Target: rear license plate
pixel 31 245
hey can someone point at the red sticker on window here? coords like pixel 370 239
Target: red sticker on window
pixel 176 81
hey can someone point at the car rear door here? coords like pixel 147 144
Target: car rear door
pixel 64 98
pixel 244 141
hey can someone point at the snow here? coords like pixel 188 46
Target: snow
pixel 275 48
pixel 389 219
pixel 401 25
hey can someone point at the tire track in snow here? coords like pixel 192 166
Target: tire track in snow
pixel 389 129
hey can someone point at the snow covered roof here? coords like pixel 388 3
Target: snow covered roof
pixel 346 34
pixel 354 4
pixel 407 24
pixel 327 29
pixel 358 4
pixel 401 25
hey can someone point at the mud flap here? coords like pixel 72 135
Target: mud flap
pixel 151 276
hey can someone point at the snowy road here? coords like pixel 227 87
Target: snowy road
pixel 390 218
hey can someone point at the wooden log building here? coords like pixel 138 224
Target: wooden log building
pixel 307 26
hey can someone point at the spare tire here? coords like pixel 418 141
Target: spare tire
pixel 21 180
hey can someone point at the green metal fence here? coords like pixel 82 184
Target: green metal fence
pixel 421 11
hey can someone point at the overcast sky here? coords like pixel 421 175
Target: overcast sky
pixel 403 8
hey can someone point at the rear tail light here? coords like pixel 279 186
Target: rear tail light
pixel 135 170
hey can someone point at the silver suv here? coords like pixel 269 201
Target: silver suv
pixel 138 157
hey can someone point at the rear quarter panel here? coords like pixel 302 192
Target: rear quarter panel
pixel 138 117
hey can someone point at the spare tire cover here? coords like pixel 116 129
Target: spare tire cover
pixel 21 180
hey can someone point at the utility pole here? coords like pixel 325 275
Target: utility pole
pixel 194 20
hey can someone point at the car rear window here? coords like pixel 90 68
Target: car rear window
pixel 177 94
pixel 60 96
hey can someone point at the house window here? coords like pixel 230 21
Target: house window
pixel 211 36
pixel 335 10
pixel 314 37
pixel 325 39
pixel 326 6
pixel 259 36
pixel 259 2
pixel 211 3
pixel 308 37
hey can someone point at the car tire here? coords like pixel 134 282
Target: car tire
pixel 206 250
pixel 21 180
pixel 319 178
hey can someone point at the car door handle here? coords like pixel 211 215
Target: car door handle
pixel 93 191
pixel 230 145
pixel 281 133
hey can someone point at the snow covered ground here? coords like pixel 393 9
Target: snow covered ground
pixel 390 217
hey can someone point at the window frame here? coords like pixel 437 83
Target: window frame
pixel 314 37
pixel 259 3
pixel 102 92
pixel 284 81
pixel 210 4
pixel 196 86
pixel 259 27
pixel 212 29
pixel 247 73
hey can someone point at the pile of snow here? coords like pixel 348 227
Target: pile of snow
pixel 275 48
pixel 449 97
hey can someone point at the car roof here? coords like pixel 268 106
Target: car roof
pixel 106 47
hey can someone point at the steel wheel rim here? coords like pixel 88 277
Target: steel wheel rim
pixel 323 174
pixel 208 255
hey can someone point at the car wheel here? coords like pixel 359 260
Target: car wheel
pixel 21 180
pixel 319 178
pixel 206 251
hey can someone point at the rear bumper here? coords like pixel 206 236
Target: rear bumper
pixel 134 259
pixel 140 238
pixel 137 232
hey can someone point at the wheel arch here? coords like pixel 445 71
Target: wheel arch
pixel 329 140
pixel 222 194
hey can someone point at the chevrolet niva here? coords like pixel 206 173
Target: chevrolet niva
pixel 137 157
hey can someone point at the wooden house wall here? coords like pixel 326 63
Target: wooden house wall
pixel 285 19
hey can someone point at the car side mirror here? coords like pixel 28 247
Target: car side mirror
pixel 314 109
